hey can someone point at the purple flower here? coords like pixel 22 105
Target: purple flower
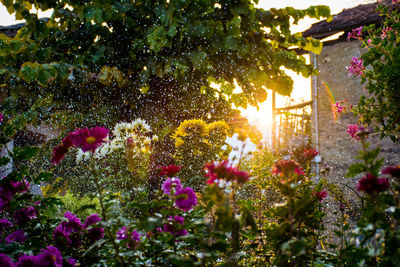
pixel 356 67
pixel 70 263
pixel 135 237
pixel 5 196
pixel 95 233
pixel 24 215
pixel 20 187
pixel 18 236
pixel 60 235
pixel 91 219
pixel 186 199
pixel 1 118
pixel 4 224
pixel 171 183
pixel 121 234
pixel 74 223
pixel 172 226
pixel 26 261
pixel 50 256
pixel 5 261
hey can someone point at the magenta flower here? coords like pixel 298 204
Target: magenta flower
pixel 393 171
pixel 1 118
pixel 356 67
pixel 385 31
pixel 186 199
pixel 309 154
pixel 17 236
pixel 4 224
pixel 24 215
pixel 353 131
pixel 61 235
pixel 89 139
pixel 370 184
pixel 50 256
pixel 170 170
pixel 92 219
pixel 5 261
pixel 355 33
pixel 95 233
pixel 171 183
pixel 225 171
pixel 320 195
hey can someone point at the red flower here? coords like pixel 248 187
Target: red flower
pixel 394 171
pixel 225 171
pixel 170 170
pixel 309 154
pixel 370 184
pixel 89 139
pixel 286 167
pixel 60 151
pixel 320 195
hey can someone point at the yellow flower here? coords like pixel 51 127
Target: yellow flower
pixel 189 127
pixel 219 128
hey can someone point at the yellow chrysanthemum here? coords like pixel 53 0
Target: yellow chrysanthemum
pixel 189 127
pixel 220 128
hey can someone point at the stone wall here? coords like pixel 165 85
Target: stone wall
pixel 336 147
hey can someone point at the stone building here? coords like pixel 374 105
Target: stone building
pixel 337 149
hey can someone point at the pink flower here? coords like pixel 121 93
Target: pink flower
pixel 385 31
pixel 309 154
pixel 370 184
pixel 287 167
pixel 170 170
pixel 356 67
pixel 1 118
pixel 369 41
pixel 320 195
pixel 89 139
pixel 225 171
pixel 353 131
pixel 355 33
pixel 186 199
pixel 171 183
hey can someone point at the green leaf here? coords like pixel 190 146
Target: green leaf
pixel 25 153
pixel 355 169
pixel 4 161
pixel 43 177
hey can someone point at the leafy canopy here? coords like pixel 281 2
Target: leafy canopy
pixel 143 52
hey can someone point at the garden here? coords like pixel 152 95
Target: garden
pixel 132 166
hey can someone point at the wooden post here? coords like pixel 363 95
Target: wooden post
pixel 273 135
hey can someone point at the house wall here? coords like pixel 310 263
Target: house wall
pixel 336 148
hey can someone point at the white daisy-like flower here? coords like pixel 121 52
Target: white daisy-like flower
pixel 82 156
